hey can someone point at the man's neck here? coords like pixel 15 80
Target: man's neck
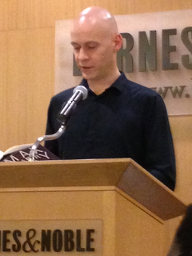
pixel 99 86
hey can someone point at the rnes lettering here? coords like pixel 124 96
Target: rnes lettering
pixel 148 50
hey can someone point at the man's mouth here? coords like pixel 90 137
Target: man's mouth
pixel 85 68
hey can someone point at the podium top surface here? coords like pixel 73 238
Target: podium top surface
pixel 123 173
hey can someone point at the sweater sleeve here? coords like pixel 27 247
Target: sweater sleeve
pixel 159 159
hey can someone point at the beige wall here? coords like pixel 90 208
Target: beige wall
pixel 27 70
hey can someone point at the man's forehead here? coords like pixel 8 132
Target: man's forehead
pixel 88 33
pixel 87 27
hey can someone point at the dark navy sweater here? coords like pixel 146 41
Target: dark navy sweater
pixel 127 120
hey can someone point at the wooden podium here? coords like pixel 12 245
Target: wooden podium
pixel 113 205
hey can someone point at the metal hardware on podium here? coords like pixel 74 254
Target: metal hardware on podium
pixel 44 138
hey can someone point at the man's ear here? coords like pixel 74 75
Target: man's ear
pixel 118 41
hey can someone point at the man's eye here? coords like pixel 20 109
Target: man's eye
pixel 76 48
pixel 92 46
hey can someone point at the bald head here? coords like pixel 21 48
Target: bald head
pixel 96 17
pixel 95 40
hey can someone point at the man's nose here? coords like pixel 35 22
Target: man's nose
pixel 82 54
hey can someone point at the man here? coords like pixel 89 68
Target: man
pixel 119 118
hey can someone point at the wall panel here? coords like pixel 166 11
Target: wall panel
pixel 3 86
pixel 30 77
pixel 3 15
pixel 25 14
pixel 181 127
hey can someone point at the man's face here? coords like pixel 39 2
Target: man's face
pixel 94 51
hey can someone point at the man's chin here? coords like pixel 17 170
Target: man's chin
pixel 87 76
pixel 92 76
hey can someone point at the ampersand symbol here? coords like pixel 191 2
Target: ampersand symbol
pixel 28 245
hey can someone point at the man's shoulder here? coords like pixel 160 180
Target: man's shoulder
pixel 140 95
pixel 138 90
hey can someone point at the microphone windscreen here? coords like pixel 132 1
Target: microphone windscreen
pixel 83 90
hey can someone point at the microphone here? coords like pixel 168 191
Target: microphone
pixel 79 93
